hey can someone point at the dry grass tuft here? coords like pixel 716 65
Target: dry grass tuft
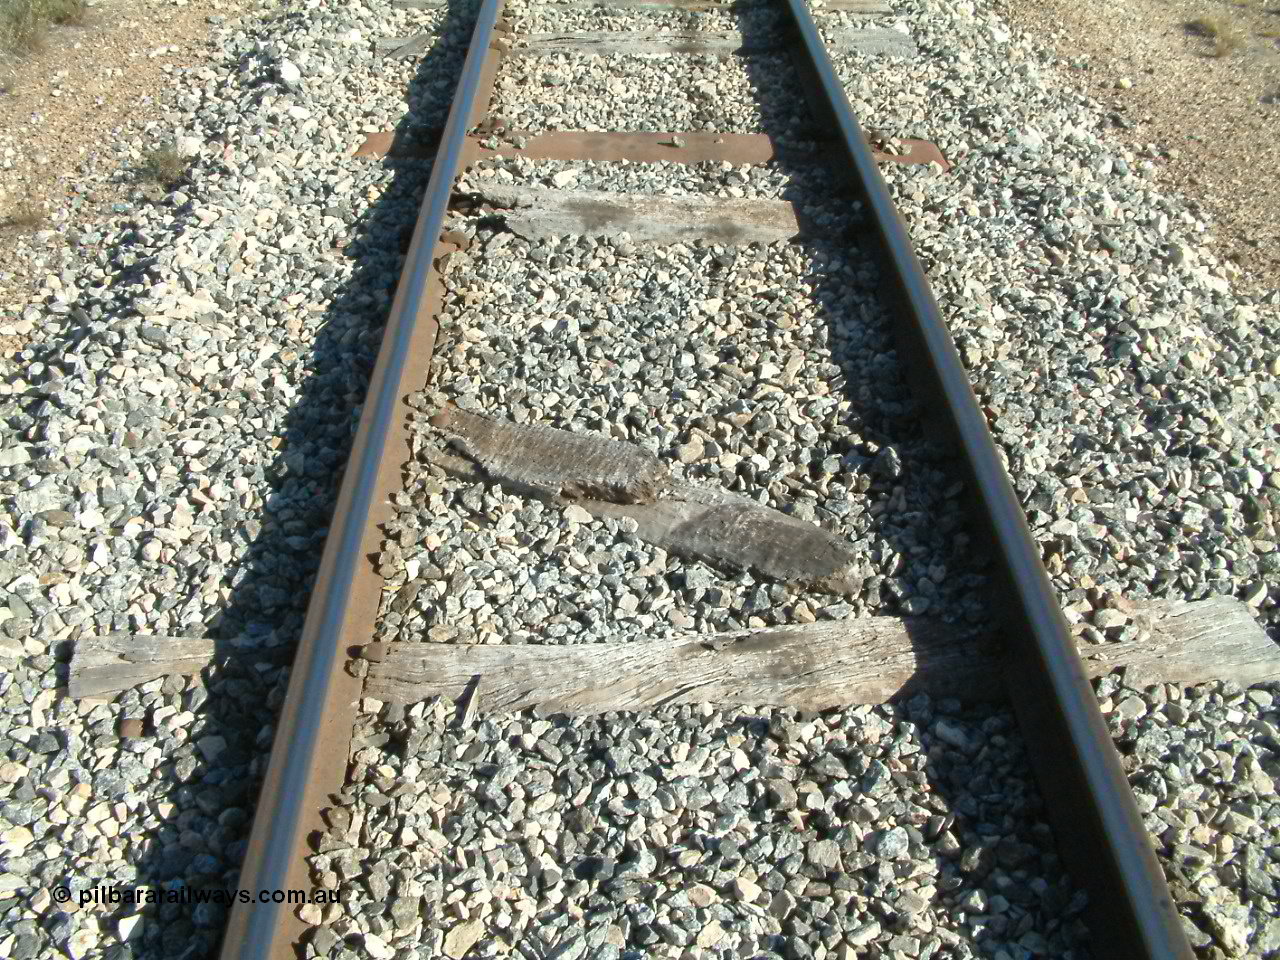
pixel 25 216
pixel 1227 42
pixel 165 165
pixel 24 24
pixel 1226 39
pixel 1206 27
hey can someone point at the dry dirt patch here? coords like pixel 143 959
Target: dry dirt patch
pixel 1200 79
pixel 73 108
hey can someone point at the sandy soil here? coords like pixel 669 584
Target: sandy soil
pixel 65 109
pixel 1214 119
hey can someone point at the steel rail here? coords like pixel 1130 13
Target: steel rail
pixel 1099 831
pixel 304 733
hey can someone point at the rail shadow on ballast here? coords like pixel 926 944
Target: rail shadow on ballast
pixel 983 818
pixel 204 841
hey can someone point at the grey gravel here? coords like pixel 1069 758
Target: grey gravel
pixel 734 371
pixel 752 19
pixel 168 461
pixel 655 93
pixel 536 311
pixel 1133 392
pixel 195 373
pixel 672 179
pixel 1133 397
pixel 657 834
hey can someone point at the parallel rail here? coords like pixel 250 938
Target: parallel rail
pixel 309 756
pixel 1093 813
pixel 1086 791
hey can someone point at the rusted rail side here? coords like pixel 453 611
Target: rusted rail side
pixel 1096 821
pixel 1094 814
pixel 308 758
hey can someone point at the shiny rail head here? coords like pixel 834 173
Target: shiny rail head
pixel 301 756
pixel 1099 829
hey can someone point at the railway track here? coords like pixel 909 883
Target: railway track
pixel 642 341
